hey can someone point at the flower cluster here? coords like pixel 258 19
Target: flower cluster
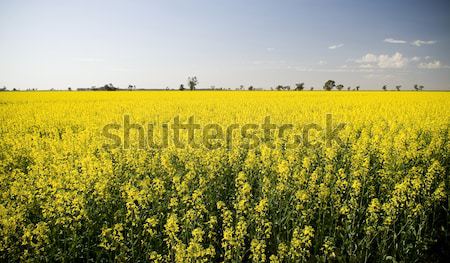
pixel 381 196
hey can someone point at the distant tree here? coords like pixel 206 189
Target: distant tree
pixel 131 87
pixel 398 87
pixel 300 86
pixel 329 85
pixel 357 88
pixel 311 89
pixel 111 87
pixel 4 88
pixel 250 88
pixel 69 89
pixel 281 87
pixel 339 87
pixel 212 87
pixel 107 87
pixel 181 87
pixel 418 88
pixel 349 88
pixel 192 83
pixel 384 88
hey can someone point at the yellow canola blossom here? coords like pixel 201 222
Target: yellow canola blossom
pixel 76 185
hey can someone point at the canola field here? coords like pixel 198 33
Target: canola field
pixel 76 186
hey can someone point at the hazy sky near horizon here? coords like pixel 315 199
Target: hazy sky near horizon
pixel 157 44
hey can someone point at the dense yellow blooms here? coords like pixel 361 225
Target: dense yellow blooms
pixel 65 195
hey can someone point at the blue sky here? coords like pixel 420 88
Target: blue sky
pixel 157 44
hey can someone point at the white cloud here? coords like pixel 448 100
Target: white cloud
pixel 383 61
pixel 435 64
pixel 419 43
pixel 395 61
pixel 336 46
pixel 322 62
pixel 394 41
pixel 368 58
pixel 270 49
pixel 415 59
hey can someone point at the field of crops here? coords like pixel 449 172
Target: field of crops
pixel 73 190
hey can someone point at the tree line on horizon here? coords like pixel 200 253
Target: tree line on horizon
pixel 192 84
